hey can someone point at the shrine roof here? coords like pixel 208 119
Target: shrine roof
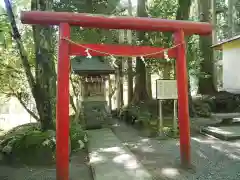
pixel 219 45
pixel 87 66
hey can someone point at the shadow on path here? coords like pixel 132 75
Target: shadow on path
pixel 212 159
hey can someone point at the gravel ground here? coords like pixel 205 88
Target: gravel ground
pixel 212 159
pixel 79 169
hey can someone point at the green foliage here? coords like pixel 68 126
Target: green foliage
pixel 12 76
pixel 28 144
pixel 78 136
pixel 143 112
pixel 86 35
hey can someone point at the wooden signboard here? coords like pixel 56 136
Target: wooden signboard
pixel 166 89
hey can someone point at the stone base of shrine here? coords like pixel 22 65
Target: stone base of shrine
pixel 226 133
pixel 95 114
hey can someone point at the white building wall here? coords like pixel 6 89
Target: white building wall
pixel 13 114
pixel 231 70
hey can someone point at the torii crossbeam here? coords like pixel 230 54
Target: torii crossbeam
pixel 65 19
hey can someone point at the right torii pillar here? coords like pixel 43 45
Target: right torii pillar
pixel 183 107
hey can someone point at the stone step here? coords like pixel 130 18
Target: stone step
pixel 111 160
pixel 225 115
pixel 226 133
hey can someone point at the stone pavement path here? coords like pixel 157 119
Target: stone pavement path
pixel 110 159
pixel 213 159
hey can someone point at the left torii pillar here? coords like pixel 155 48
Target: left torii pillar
pixel 62 111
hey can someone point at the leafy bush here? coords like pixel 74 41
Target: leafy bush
pixel 78 137
pixel 221 102
pixel 28 144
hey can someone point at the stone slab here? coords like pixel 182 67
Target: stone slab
pixel 223 132
pixel 225 115
pixel 111 160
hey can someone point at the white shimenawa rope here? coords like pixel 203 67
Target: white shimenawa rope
pixel 165 51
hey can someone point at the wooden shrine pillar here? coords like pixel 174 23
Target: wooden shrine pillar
pixel 182 86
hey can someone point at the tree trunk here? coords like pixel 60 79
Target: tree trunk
pixel 214 41
pixel 183 14
pixel 120 74
pixel 74 106
pixel 206 82
pixel 110 93
pixel 130 80
pixel 129 61
pixel 149 81
pixel 89 6
pixel 45 68
pixel 140 91
pixel 231 28
pixel 166 70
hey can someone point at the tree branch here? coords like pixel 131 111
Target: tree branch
pixel 74 88
pixel 72 103
pixel 22 51
pixel 27 109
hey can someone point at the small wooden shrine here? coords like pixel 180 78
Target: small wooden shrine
pixel 94 72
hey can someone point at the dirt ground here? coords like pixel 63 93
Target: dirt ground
pixel 79 169
pixel 212 159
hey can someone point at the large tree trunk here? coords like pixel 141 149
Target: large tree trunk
pixel 231 28
pixel 214 41
pixel 119 75
pixel 129 62
pixel 140 92
pixel 206 82
pixel 149 81
pixel 183 14
pixel 45 68
pixel 166 70
pixel 183 9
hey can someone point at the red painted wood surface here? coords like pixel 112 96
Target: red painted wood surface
pixel 62 111
pixel 183 109
pixel 119 50
pixel 112 22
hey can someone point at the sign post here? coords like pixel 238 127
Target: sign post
pixel 166 89
pixel 175 118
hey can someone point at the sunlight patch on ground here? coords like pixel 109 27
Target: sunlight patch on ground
pixel 219 131
pixel 229 153
pixel 96 158
pixel 233 156
pixel 117 150
pixel 229 149
pixel 147 149
pixel 145 140
pixel 205 141
pixel 115 125
pixel 170 172
pixel 142 145
pixel 235 144
pixel 128 161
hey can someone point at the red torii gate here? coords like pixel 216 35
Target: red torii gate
pixel 66 49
